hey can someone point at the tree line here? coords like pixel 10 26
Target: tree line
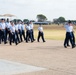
pixel 43 18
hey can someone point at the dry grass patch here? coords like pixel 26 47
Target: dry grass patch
pixel 53 32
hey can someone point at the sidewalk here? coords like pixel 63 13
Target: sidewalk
pixel 50 55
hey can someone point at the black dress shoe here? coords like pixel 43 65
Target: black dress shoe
pixel 44 41
pixel 16 43
pixel 26 42
pixel 73 46
pixel 65 46
pixel 5 42
pixel 19 42
pixel 10 44
pixel 34 40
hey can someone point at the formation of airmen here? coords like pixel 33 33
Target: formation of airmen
pixel 15 32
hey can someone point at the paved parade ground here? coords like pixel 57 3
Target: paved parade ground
pixel 49 58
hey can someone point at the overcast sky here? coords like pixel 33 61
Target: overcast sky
pixel 31 8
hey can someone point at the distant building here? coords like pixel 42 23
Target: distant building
pixel 43 23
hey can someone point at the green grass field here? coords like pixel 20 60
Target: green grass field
pixel 52 32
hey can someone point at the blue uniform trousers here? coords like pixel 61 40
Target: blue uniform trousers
pixel 13 38
pixel 3 35
pixel 20 34
pixel 69 36
pixel 23 34
pixel 29 35
pixel 40 34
